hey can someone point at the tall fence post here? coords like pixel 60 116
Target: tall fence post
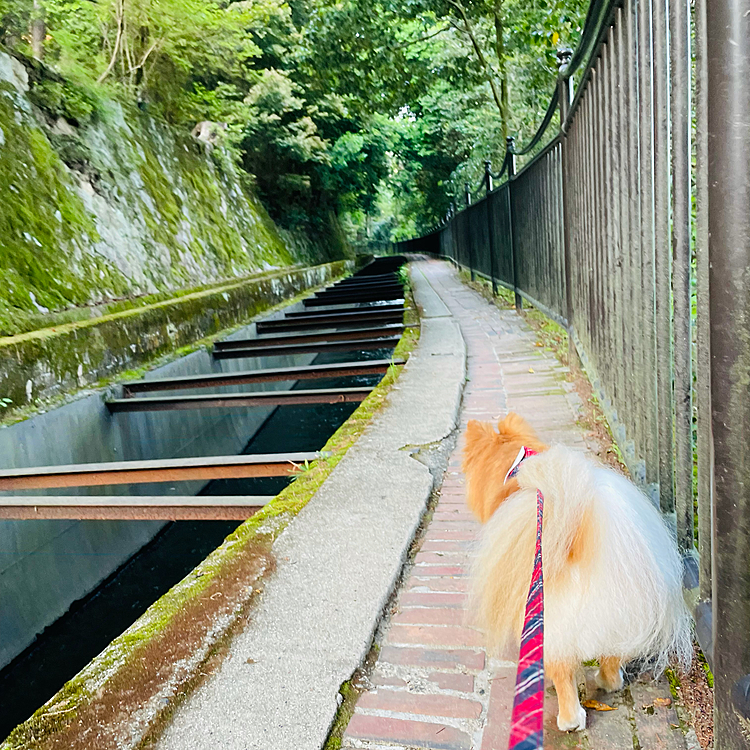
pixel 467 189
pixel 511 157
pixel 454 233
pixel 728 69
pixel 679 36
pixel 490 222
pixel 703 628
pixel 565 97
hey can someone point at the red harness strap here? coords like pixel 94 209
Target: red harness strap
pixel 527 719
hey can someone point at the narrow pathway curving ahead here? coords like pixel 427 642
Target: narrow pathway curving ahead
pixel 434 686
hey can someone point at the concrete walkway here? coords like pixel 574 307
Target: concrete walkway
pixel 433 685
pixel 337 565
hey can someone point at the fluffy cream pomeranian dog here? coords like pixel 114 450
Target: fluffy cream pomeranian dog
pixel 612 572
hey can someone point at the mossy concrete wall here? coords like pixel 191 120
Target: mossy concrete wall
pixel 41 365
pixel 101 203
pixel 48 564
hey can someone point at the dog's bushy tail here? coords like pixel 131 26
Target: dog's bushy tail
pixel 566 481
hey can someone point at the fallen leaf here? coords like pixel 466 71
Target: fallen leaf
pixel 662 701
pixel 598 706
pixel 531 369
pixel 250 661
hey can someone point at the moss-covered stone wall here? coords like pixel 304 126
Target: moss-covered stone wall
pixel 101 203
pixel 40 365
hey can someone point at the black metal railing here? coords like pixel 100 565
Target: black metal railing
pixel 599 230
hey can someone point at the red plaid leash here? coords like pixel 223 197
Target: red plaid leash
pixel 527 719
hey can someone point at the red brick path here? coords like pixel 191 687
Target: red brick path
pixel 434 686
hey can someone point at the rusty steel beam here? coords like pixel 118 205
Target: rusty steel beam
pixel 335 299
pixel 311 372
pixel 132 508
pixel 369 291
pixel 372 295
pixel 357 279
pixel 304 324
pixel 154 470
pixel 365 283
pixel 237 400
pixel 321 317
pixel 390 329
pixel 346 311
pixel 323 346
pixel 320 301
pixel 363 287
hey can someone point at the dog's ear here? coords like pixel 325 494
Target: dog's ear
pixel 515 427
pixel 478 434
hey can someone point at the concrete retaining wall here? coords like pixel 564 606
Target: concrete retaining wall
pixel 47 565
pixel 42 364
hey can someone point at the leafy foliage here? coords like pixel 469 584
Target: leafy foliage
pixel 375 110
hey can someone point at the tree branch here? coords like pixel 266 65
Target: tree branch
pixel 497 13
pixel 480 55
pixel 421 39
pixel 112 60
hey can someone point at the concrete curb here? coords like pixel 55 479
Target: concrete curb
pixel 338 562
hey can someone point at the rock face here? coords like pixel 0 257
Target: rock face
pixel 100 203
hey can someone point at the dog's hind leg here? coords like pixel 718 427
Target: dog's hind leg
pixel 609 677
pixel 571 716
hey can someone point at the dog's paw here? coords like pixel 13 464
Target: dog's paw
pixel 610 683
pixel 575 724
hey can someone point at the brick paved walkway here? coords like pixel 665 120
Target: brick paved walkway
pixel 433 685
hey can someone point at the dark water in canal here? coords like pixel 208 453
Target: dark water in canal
pixel 66 646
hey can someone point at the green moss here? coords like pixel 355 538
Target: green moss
pixel 503 298
pixel 89 352
pixel 704 666
pixel 194 206
pixel 42 221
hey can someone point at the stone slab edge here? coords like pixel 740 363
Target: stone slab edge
pixel 41 365
pixel 337 565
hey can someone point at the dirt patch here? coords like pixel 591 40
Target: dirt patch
pixel 695 691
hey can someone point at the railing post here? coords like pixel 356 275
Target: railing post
pixel 490 222
pixel 565 97
pixel 702 330
pixel 728 85
pixel 511 157
pixel 454 233
pixel 680 114
pixel 467 189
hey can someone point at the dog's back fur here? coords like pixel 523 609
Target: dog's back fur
pixel 612 573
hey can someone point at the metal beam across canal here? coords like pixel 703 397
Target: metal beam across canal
pixel 154 470
pixel 132 507
pixel 347 300
pixel 237 400
pixel 310 372
pixel 390 329
pixel 324 346
pixel 332 321
pixel 371 308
